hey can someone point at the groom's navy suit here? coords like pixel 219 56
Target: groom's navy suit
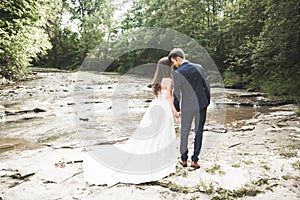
pixel 191 88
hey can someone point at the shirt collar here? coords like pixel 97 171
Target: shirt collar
pixel 184 62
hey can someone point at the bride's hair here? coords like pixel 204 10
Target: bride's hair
pixel 163 70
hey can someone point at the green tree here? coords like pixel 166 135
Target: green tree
pixel 22 36
pixel 254 42
pixel 64 40
pixel 239 30
pixel 277 54
pixel 196 19
pixel 75 28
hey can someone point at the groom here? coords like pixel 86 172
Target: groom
pixel 190 85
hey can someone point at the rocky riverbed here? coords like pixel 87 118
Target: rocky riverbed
pixel 250 151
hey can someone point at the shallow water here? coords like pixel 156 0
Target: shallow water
pixel 93 107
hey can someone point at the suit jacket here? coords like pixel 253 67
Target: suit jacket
pixel 191 86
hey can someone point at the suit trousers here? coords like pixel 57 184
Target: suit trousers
pixel 187 117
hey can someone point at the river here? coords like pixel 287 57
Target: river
pixel 48 123
pixel 58 107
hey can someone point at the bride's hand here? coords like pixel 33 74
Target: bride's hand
pixel 177 114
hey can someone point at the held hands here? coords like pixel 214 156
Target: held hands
pixel 177 114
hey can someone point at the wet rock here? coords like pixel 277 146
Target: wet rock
pixel 15 111
pixel 37 110
pixel 29 117
pixel 234 145
pixel 216 130
pixel 84 119
pixel 93 102
pixel 251 90
pixel 247 128
pixel 21 177
pixel 12 92
pixel 5 147
pixel 20 87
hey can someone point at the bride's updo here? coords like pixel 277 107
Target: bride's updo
pixel 163 70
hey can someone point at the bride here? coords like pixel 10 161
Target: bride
pixel 150 152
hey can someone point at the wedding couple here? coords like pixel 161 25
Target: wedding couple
pixel 151 150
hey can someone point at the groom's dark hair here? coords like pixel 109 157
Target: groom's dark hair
pixel 176 52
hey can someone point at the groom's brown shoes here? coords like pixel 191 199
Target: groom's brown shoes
pixel 195 165
pixel 183 163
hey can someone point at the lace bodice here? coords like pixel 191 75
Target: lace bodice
pixel 166 84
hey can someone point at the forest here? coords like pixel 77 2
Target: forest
pixel 254 43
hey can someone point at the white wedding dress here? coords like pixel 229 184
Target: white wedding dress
pixel 148 155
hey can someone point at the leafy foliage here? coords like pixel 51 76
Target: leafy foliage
pixel 22 36
pixel 277 54
pixel 86 25
pixel 255 43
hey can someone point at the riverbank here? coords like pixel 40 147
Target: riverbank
pixel 256 155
